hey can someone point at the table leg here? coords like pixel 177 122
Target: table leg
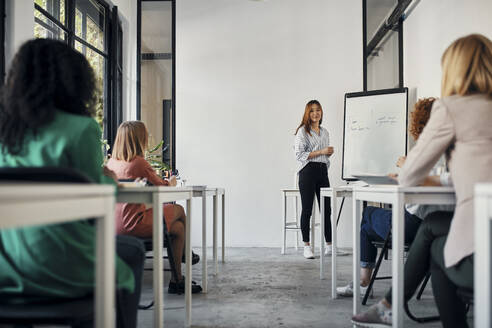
pixel 357 212
pixel 223 227
pixel 188 264
pixel 157 245
pixel 105 269
pixel 334 211
pixel 483 262
pixel 204 242
pixel 284 221
pixel 398 236
pixel 313 224
pixel 321 238
pixel 215 206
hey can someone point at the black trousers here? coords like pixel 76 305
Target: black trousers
pixel 132 252
pixel 427 253
pixel 312 177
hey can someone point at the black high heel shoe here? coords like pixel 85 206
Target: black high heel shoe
pixel 195 258
pixel 179 287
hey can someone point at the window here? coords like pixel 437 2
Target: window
pixel 383 43
pixel 86 25
pixel 156 95
pixel 2 41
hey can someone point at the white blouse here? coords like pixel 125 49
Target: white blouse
pixel 305 144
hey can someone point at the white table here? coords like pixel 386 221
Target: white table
pixel 157 196
pixel 26 204
pixel 397 196
pixel 482 261
pixel 333 193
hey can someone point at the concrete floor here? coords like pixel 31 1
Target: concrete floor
pixel 258 287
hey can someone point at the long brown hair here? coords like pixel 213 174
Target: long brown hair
pixel 467 66
pixel 131 141
pixel 306 121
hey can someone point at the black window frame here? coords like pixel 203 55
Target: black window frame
pixel 394 22
pixel 2 41
pixel 140 56
pixel 113 90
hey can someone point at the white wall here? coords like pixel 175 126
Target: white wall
pixel 430 29
pixel 19 26
pixel 245 70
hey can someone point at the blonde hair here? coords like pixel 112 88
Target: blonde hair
pixel 467 66
pixel 131 141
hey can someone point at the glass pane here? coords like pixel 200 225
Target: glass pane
pixel 383 65
pixel 45 28
pixel 156 73
pixel 56 8
pixel 376 12
pixel 98 64
pixel 90 23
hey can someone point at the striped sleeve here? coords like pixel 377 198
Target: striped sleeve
pixel 301 146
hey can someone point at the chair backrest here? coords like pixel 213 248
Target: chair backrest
pixel 62 311
pixel 43 174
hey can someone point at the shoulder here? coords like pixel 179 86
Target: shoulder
pixel 456 103
pixel 325 131
pixel 301 133
pixel 76 125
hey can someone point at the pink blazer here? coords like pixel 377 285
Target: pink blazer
pixel 134 219
pixel 466 124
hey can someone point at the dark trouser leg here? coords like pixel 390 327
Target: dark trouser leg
pixel 373 218
pixel 132 252
pixel 324 182
pixel 418 261
pixel 307 188
pixel 452 309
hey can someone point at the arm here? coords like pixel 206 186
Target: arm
pixel 301 147
pixel 438 134
pixel 86 153
pixel 149 173
pixel 302 150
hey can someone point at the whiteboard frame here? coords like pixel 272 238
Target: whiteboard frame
pixel 365 94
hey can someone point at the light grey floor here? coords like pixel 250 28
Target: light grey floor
pixel 258 287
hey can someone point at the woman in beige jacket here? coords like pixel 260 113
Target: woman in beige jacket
pixel 460 126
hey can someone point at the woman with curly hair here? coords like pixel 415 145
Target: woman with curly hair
pixel 46 109
pixel 376 221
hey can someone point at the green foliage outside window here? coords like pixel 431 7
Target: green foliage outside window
pixel 93 35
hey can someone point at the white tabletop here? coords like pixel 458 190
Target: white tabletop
pixel 396 188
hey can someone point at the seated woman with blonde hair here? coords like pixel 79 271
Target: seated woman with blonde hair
pixel 128 162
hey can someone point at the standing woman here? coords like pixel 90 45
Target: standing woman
pixel 313 154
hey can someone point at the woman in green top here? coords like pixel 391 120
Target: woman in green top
pixel 46 109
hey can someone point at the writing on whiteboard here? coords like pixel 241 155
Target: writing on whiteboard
pixel 356 125
pixel 386 120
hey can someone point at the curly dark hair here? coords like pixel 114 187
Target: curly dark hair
pixel 45 75
pixel 420 116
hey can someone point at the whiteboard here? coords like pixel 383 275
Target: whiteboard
pixel 375 132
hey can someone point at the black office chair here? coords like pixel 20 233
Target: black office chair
pixel 384 247
pixel 72 312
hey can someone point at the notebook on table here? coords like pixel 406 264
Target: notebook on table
pixel 375 179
